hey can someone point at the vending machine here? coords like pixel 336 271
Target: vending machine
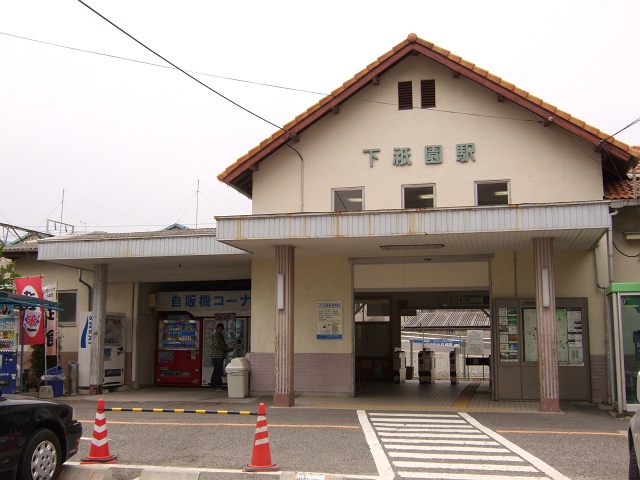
pixel 8 354
pixel 235 333
pixel 179 359
pixel 114 349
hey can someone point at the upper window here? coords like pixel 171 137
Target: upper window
pixel 492 193
pixel 67 301
pixel 405 95
pixel 348 199
pixel 428 93
pixel 418 196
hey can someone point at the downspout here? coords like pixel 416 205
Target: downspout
pixel 609 337
pixel 301 178
pixel 88 286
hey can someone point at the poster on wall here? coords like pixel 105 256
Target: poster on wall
pixel 569 336
pixel 508 334
pixel 329 321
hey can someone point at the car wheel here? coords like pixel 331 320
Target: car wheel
pixel 634 471
pixel 41 457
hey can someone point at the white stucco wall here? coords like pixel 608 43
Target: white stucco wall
pixel 316 279
pixel 510 145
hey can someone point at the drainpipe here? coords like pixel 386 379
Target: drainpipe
pixel 88 286
pixel 301 178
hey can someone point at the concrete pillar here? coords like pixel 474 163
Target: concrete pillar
pixel 546 322
pixel 284 362
pixel 99 308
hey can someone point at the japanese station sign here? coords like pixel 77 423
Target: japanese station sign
pixel 433 154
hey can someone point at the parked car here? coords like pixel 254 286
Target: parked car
pixel 36 437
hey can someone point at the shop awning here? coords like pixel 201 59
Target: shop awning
pixel 25 301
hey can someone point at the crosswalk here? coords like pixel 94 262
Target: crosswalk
pixel 453 446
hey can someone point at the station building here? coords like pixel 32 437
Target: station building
pixel 422 183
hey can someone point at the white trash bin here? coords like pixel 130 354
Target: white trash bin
pixel 238 377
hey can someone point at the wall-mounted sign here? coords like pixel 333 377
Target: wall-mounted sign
pixel 329 321
pixel 433 154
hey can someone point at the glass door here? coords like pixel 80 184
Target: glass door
pixel 630 323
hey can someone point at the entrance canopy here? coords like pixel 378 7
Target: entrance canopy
pixel 25 301
pixel 404 233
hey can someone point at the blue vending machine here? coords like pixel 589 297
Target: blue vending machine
pixel 8 352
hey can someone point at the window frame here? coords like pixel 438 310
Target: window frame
pixel 478 183
pixel 334 194
pixel 406 187
pixel 66 311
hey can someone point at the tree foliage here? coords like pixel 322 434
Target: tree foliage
pixel 7 274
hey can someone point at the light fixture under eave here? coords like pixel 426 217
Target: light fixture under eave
pixel 412 247
pixel 632 235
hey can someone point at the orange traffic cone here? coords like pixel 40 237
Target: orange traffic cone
pixel 99 451
pixel 261 456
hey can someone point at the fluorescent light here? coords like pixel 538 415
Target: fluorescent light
pixel 546 292
pixel 354 200
pixel 412 247
pixel 280 290
pixel 425 196
pixel 502 193
pixel 632 235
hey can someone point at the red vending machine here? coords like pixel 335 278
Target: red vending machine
pixel 179 360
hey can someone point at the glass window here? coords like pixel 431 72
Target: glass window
pixel 418 196
pixel 492 193
pixel 348 200
pixel 373 310
pixel 67 301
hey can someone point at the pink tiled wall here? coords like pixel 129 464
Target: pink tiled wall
pixel 314 374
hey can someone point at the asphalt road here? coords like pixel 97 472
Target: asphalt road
pixel 584 442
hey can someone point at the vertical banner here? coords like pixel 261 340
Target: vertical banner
pixel 50 292
pixel 32 318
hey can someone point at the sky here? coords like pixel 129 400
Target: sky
pixel 95 135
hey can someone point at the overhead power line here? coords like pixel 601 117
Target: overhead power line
pixel 183 71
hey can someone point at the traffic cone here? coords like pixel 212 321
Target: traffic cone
pixel 261 456
pixel 99 451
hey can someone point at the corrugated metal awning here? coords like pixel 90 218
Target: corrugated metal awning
pixel 449 319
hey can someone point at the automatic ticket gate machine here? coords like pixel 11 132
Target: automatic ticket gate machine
pixel 426 365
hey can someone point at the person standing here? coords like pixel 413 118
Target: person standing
pixel 219 349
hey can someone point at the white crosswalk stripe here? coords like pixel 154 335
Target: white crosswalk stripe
pixel 453 446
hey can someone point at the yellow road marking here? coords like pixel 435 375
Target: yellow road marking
pixel 252 425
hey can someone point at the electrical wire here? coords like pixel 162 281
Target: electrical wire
pixel 183 71
pixel 262 84
pixel 622 130
pixel 624 254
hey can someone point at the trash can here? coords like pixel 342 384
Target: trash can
pixel 238 378
pixel 55 377
pixel 73 378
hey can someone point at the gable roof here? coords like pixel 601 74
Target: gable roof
pixel 616 155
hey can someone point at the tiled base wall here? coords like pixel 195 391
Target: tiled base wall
pixel 314 374
pixel 599 379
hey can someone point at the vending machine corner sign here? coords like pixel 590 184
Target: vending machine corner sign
pixel 8 354
pixel 179 361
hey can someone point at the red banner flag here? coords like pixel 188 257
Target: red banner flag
pixel 32 318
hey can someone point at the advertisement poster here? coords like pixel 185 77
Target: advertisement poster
pixel 508 334
pixel 32 319
pixel 329 321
